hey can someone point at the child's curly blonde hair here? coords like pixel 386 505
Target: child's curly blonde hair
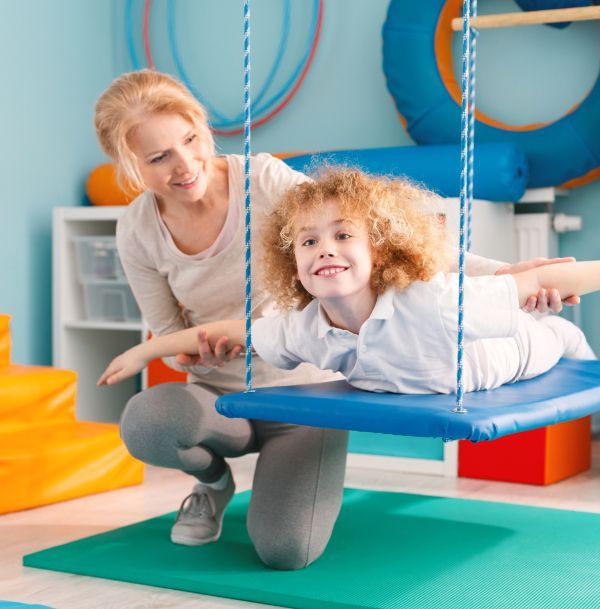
pixel 408 238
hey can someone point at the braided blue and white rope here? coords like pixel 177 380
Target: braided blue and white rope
pixel 466 187
pixel 471 153
pixel 247 177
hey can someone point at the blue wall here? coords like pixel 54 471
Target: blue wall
pixel 343 101
pixel 58 56
pixel 585 245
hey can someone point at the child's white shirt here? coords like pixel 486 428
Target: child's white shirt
pixel 408 344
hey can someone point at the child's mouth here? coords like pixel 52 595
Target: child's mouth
pixel 330 271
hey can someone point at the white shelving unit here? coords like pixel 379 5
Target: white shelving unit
pixel 79 344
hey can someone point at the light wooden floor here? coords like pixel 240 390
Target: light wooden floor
pixel 40 528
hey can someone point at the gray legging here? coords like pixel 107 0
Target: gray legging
pixel 299 477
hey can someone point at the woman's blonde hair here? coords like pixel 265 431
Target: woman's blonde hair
pixel 125 104
pixel 407 236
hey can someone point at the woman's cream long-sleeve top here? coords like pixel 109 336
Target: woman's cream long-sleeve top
pixel 162 278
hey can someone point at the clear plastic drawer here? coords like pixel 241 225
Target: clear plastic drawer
pixel 110 301
pixel 98 259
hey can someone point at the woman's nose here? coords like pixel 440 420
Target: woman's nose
pixel 183 163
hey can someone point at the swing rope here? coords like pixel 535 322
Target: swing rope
pixel 472 61
pixel 467 139
pixel 247 193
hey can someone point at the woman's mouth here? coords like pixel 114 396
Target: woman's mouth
pixel 189 183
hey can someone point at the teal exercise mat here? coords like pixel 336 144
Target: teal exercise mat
pixel 388 551
pixel 15 605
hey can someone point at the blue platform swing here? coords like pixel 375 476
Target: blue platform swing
pixel 569 391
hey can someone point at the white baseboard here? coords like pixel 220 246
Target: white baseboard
pixel 447 467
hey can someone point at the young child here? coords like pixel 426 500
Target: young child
pixel 359 271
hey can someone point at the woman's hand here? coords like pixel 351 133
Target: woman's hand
pixel 544 300
pixel 123 366
pixel 209 357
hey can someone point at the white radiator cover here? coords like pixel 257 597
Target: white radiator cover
pixel 493 234
pixel 535 236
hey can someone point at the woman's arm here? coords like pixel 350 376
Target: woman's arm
pixel 137 358
pixel 136 239
pixel 542 301
pixel 568 278
pixel 546 299
pixel 476 266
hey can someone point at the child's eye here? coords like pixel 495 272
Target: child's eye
pixel 309 242
pixel 342 236
pixel 190 138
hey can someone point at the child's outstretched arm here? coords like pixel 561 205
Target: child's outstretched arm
pixel 569 278
pixel 218 334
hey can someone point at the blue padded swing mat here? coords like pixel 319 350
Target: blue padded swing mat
pixel 569 391
pixel 388 551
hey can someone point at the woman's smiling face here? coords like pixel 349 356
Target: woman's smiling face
pixel 173 158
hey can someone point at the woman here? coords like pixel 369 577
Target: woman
pixel 181 245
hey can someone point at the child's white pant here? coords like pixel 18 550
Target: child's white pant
pixel 544 341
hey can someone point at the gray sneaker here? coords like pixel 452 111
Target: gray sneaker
pixel 200 516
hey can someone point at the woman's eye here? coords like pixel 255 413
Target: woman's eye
pixel 191 138
pixel 158 159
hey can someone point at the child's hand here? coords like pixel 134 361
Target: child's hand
pixel 208 356
pixel 544 300
pixel 122 367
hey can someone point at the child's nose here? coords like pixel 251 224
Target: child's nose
pixel 327 248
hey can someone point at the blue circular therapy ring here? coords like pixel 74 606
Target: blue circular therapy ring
pixel 417 62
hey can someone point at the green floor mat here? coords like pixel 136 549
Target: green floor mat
pixel 388 551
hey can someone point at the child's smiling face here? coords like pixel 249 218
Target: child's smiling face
pixel 333 254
